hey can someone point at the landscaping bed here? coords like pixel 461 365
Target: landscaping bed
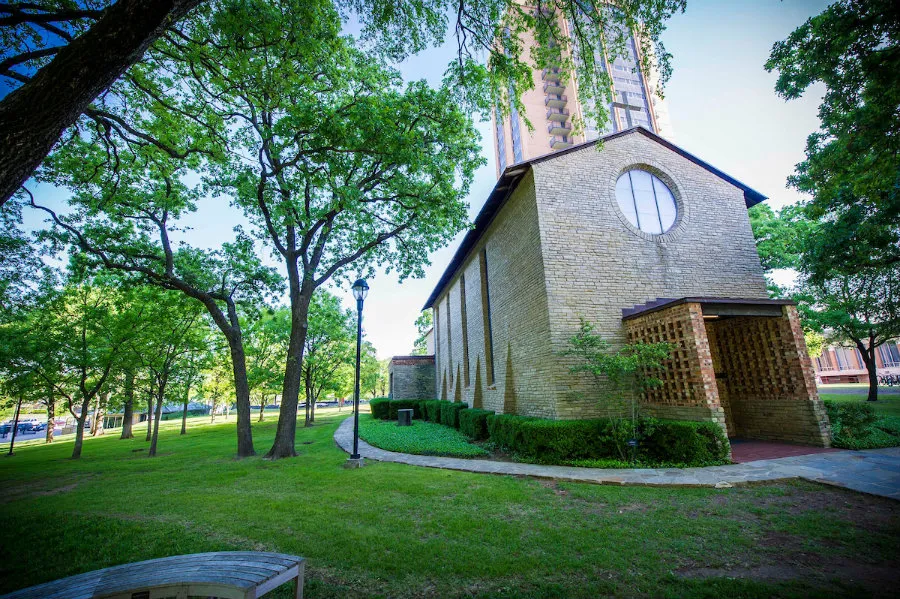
pixel 863 425
pixel 597 443
pixel 422 438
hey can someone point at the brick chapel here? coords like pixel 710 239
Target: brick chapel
pixel 648 243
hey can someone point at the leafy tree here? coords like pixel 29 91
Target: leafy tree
pixel 127 221
pixel 424 324
pixel 619 375
pixel 330 343
pixel 267 338
pixel 217 386
pixel 372 371
pixel 70 57
pixel 862 308
pixel 853 48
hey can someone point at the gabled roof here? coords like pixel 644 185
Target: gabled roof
pixel 513 174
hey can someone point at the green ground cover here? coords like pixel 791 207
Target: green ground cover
pixel 390 530
pixel 887 405
pixel 884 432
pixel 422 438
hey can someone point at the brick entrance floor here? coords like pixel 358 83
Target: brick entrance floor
pixel 749 450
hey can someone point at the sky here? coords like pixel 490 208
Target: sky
pixel 722 105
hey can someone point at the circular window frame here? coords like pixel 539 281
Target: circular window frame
pixel 680 205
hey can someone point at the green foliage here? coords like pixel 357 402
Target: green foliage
pixel 575 441
pixel 815 343
pixel 853 48
pixel 473 423
pixel 405 404
pixel 424 324
pixel 856 425
pixel 422 438
pixel 380 408
pixel 779 237
pixel 433 410
pixel 450 413
pixel 689 443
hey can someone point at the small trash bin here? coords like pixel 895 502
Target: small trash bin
pixel 404 417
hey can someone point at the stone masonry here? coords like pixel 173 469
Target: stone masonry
pixel 557 249
pixel 411 377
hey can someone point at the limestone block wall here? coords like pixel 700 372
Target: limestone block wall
pixel 596 263
pixel 412 377
pixel 499 358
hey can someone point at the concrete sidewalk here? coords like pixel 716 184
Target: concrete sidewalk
pixel 876 472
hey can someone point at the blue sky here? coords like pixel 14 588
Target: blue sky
pixel 722 105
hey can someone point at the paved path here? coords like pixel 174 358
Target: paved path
pixel 876 471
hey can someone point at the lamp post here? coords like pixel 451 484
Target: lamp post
pixel 360 290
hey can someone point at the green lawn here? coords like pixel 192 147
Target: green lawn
pixel 887 405
pixel 422 438
pixel 389 530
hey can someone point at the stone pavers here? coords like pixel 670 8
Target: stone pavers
pixel 876 471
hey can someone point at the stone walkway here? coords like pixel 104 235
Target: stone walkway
pixel 876 472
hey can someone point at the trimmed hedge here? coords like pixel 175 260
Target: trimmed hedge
pixel 856 425
pixel 473 423
pixel 565 441
pixel 380 407
pixel 692 443
pixel 433 410
pixel 450 411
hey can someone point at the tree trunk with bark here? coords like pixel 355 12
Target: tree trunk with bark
pixel 156 418
pixel 262 407
pixel 184 413
pixel 242 396
pixel 128 416
pixel 149 417
pixel 868 356
pixel 79 428
pixel 286 433
pixel 34 116
pixel 15 427
pixel 51 416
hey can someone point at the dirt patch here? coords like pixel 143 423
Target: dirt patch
pixel 28 490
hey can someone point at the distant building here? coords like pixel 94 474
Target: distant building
pixel 553 103
pixel 839 364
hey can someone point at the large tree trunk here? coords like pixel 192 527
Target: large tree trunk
pixel 128 416
pixel 12 440
pixel 99 413
pixel 868 356
pixel 33 117
pixel 286 433
pixel 79 429
pixel 242 396
pixel 51 416
pixel 156 418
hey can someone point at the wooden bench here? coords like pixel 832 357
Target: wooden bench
pixel 225 574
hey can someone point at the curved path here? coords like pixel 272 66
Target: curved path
pixel 876 471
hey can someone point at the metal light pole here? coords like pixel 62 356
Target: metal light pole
pixel 360 290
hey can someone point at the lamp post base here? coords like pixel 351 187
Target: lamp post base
pixel 352 463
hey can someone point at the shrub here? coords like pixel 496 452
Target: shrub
pixel 450 412
pixel 405 404
pixel 688 443
pixel 380 408
pixel 433 410
pixel 569 441
pixel 855 425
pixel 473 423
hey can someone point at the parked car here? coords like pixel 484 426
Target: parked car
pixel 24 427
pixel 5 429
pixel 38 427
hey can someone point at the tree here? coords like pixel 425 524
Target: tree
pixel 91 46
pixel 267 338
pixel 217 386
pixel 329 347
pixel 620 376
pixel 125 221
pixel 853 48
pixel 102 44
pixel 424 325
pixel 862 308
pixel 372 371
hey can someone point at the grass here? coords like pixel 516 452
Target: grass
pixel 422 438
pixel 390 530
pixel 887 404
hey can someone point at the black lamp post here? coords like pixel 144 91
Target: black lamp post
pixel 360 290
